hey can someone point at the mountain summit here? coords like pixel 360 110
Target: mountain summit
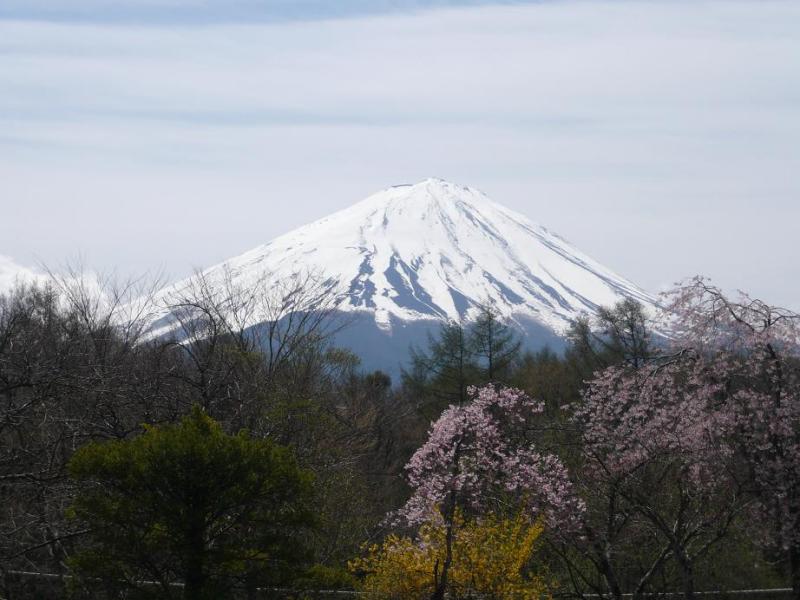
pixel 436 250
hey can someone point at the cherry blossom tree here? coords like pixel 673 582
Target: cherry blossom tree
pixel 751 352
pixel 481 456
pixel 664 455
pixel 650 441
pixel 686 441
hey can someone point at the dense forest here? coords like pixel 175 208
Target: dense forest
pixel 657 454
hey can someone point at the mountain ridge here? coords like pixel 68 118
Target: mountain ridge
pixel 434 250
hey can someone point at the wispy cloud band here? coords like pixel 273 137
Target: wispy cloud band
pixel 669 127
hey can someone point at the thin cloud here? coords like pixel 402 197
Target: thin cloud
pixel 189 12
pixel 664 130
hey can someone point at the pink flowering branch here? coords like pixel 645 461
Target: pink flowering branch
pixel 476 456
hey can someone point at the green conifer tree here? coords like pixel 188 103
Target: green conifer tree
pixel 186 511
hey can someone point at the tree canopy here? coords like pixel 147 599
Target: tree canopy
pixel 189 503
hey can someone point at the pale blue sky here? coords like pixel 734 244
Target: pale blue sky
pixel 192 12
pixel 661 137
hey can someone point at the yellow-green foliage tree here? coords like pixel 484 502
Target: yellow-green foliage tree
pixel 492 558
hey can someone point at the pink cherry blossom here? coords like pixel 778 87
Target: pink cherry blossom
pixel 481 452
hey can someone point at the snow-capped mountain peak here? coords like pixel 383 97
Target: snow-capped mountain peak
pixel 435 250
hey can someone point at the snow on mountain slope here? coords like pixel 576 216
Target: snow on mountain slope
pixel 12 274
pixel 433 250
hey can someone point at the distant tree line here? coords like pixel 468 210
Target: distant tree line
pixel 213 458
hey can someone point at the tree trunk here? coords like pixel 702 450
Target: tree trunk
pixel 441 587
pixel 251 588
pixel 601 548
pixel 794 571
pixel 449 517
pixel 687 572
pixel 611 578
pixel 194 580
pixel 194 584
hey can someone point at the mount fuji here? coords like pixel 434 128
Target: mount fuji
pixel 410 256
